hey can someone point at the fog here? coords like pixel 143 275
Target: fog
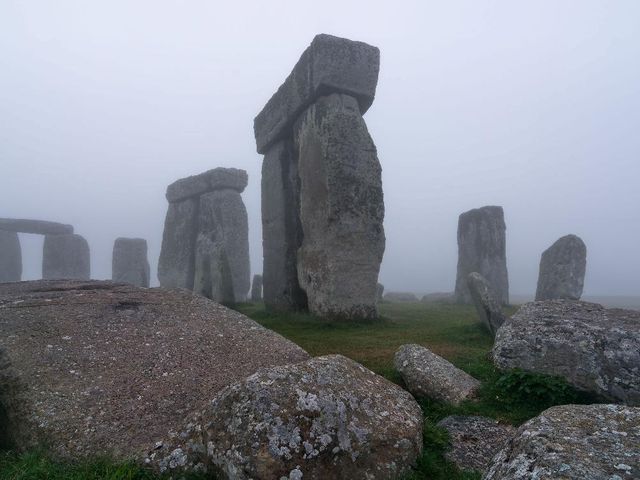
pixel 534 106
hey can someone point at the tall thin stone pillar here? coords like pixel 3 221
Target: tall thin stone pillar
pixel 10 257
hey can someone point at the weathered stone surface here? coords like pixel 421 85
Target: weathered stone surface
pixel 10 257
pixel 488 308
pixel 328 417
pixel 110 369
pixel 573 442
pixel 65 257
pixel 562 269
pixel 438 297
pixel 222 270
pixel 256 288
pixel 482 249
pixel 379 292
pixel 177 255
pixel 428 375
pixel 129 263
pixel 329 65
pixel 341 209
pixel 216 179
pixel 281 229
pixel 594 348
pixel 39 227
pixel 400 297
pixel 474 440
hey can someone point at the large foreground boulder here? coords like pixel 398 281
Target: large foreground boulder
pixel 593 348
pixel 428 375
pixel 562 269
pixel 474 440
pixel 573 442
pixel 484 299
pixel 99 368
pixel 328 417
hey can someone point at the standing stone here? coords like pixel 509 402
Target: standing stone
pixel 10 257
pixel 482 249
pixel 341 209
pixel 256 288
pixel 65 257
pixel 222 270
pixel 562 269
pixel 281 229
pixel 177 255
pixel 129 263
pixel 488 308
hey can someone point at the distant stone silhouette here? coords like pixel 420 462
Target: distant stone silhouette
pixel 256 288
pixel 322 201
pixel 129 263
pixel 65 257
pixel 205 245
pixel 482 249
pixel 562 269
pixel 10 257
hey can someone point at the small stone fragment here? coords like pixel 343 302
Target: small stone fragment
pixel 429 375
pixel 488 308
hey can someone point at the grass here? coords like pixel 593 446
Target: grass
pixel 451 331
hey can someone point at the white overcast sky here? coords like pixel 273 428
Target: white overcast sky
pixel 532 105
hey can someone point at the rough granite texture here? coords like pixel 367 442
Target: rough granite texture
pixel 482 249
pixel 428 375
pixel 326 418
pixel 562 269
pixel 341 210
pixel 99 368
pixel 216 179
pixel 177 255
pixel 256 288
pixel 573 442
pixel 10 257
pixel 484 299
pixel 329 65
pixel 474 440
pixel 593 348
pixel 281 229
pixel 129 263
pixel 222 270
pixel 38 227
pixel 66 256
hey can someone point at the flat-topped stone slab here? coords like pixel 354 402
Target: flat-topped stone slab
pixel 216 179
pixel 38 227
pixel 98 368
pixel 329 65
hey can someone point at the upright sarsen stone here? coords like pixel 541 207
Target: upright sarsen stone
pixel 222 270
pixel 488 308
pixel 329 65
pixel 482 249
pixel 65 257
pixel 177 255
pixel 341 209
pixel 129 263
pixel 562 269
pixel 281 229
pixel 10 257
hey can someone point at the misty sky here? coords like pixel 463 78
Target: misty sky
pixel 534 106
